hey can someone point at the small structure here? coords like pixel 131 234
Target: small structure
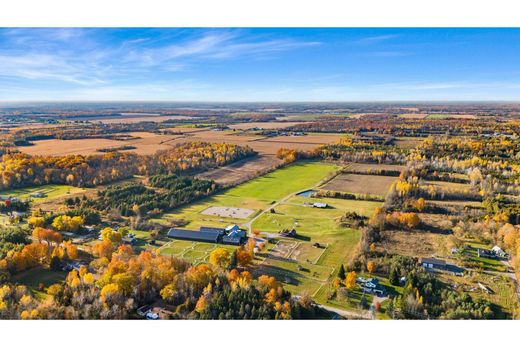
pixel 231 240
pixel 288 233
pixel 499 252
pixel 129 240
pixel 454 250
pixel 432 263
pixel 232 227
pixel 37 195
pixel 319 205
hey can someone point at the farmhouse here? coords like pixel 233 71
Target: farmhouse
pixel 499 252
pixel 372 286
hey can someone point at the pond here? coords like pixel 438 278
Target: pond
pixel 307 193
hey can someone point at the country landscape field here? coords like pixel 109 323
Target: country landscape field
pixel 252 210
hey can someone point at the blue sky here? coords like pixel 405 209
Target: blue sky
pixel 67 64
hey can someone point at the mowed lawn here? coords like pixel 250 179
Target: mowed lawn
pixel 256 194
pixel 50 191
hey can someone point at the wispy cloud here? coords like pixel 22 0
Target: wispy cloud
pixel 376 39
pixel 76 56
pixel 212 45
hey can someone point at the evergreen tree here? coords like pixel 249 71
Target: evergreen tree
pixel 341 273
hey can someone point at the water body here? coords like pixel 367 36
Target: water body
pixel 307 193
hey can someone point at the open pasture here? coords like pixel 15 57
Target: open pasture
pixel 49 192
pixel 360 184
pixel 255 195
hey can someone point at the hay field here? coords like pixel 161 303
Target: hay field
pixel 362 167
pixel 360 184
pixel 149 143
pixel 241 170
pixel 263 125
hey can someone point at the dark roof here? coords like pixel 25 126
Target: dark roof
pixel 433 261
pixel 193 235
pixel 212 230
pixel 233 240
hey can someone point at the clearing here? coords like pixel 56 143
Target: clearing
pixel 360 184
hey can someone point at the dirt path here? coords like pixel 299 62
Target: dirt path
pixel 348 314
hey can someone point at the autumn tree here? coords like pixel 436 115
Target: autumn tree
pixel 350 281
pixel 220 257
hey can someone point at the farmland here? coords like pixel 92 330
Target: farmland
pixel 48 192
pixel 256 194
pixel 360 184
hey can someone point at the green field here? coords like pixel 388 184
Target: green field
pixel 50 191
pixel 296 262
pixel 256 194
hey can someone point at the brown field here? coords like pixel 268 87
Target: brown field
pixel 361 167
pixel 414 243
pixel 263 125
pixel 413 115
pixel 456 203
pixel 242 170
pixel 149 143
pixel 360 184
pixel 139 118
pixel 407 143
pixel 447 185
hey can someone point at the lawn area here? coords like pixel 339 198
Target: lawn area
pixel 280 183
pixel 50 191
pixel 256 194
pixel 32 278
pixel 191 251
pixel 470 257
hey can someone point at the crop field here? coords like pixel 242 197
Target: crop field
pixel 242 170
pixel 447 185
pixel 146 143
pixel 263 125
pixel 149 143
pixel 362 167
pixel 360 184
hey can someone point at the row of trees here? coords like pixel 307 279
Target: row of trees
pixel 20 170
